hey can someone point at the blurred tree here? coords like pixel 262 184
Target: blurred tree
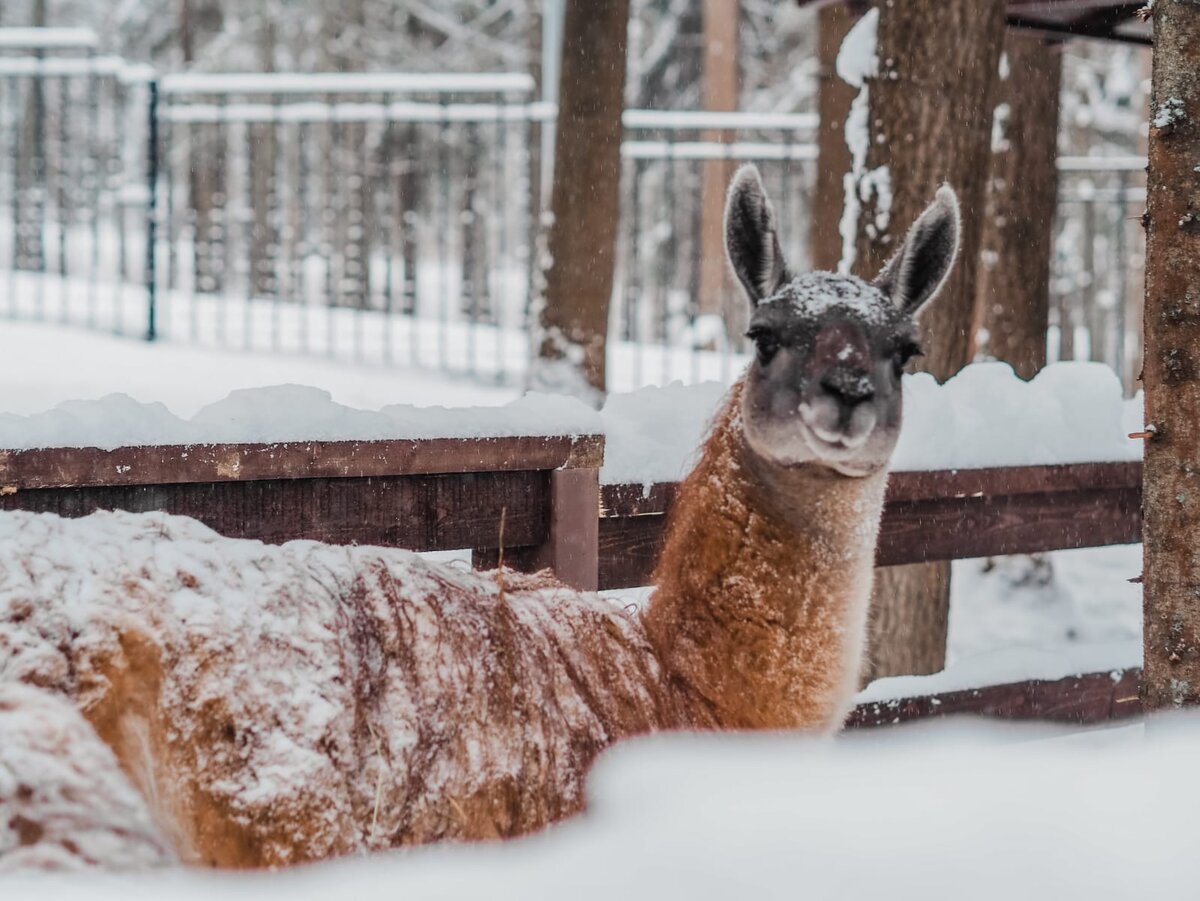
pixel 1018 237
pixel 720 94
pixel 929 121
pixel 571 336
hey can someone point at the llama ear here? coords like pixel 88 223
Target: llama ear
pixel 752 237
pixel 913 276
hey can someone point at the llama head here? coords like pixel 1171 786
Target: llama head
pixel 824 388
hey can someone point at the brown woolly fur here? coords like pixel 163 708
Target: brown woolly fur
pixel 64 802
pixel 762 591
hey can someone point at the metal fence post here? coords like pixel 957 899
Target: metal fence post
pixel 151 209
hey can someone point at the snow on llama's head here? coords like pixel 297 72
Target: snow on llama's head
pixel 825 386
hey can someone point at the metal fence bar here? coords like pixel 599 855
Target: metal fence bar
pixel 152 150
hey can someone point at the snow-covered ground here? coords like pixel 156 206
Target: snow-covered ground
pixel 933 812
pixel 43 365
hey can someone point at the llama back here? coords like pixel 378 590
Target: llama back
pixel 282 704
pixel 64 802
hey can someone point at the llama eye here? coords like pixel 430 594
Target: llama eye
pixel 765 343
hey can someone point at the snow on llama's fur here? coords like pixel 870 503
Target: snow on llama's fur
pixel 64 802
pixel 283 704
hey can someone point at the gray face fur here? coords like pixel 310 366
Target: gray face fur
pixel 825 387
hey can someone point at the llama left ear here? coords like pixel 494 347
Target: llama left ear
pixel 752 237
pixel 913 276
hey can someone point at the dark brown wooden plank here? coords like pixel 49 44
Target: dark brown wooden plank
pixel 63 467
pixel 635 500
pixel 629 549
pixel 1086 699
pixel 906 486
pixel 1052 508
pixel 423 513
pixel 956 528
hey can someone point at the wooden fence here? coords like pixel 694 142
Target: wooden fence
pixel 539 498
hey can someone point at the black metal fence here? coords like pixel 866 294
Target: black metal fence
pixel 391 218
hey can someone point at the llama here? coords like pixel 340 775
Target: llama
pixel 276 705
pixel 64 802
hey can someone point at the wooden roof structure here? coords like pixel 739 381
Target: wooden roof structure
pixel 1108 20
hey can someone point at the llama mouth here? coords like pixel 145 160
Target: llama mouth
pixel 820 438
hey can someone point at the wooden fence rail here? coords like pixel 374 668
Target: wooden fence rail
pixel 540 498
pixel 943 515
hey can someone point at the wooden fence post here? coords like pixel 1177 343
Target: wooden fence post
pixel 1171 374
pixel 572 549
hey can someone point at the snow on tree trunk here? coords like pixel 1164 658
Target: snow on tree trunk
pixel 572 313
pixel 1018 239
pixel 1171 374
pixel 834 97
pixel 923 116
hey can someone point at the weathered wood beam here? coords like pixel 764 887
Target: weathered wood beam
pixel 1087 699
pixel 64 467
pixel 421 513
pixel 946 515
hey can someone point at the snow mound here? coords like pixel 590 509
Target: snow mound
pixel 987 416
pixel 64 802
pixel 286 413
pixel 905 815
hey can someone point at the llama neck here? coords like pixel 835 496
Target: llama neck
pixel 763 587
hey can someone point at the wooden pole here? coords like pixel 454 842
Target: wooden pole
pixel 1171 488
pixel 720 93
pixel 584 200
pixel 1018 232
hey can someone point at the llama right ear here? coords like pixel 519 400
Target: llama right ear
pixel 913 276
pixel 752 237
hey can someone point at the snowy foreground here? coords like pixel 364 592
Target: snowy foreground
pixel 918 813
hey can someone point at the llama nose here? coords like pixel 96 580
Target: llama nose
pixel 849 388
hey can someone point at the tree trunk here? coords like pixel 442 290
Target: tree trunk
pixel 721 94
pixel 584 200
pixel 834 97
pixel 343 30
pixel 263 152
pixel 929 121
pixel 206 156
pixel 1171 488
pixel 1018 239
